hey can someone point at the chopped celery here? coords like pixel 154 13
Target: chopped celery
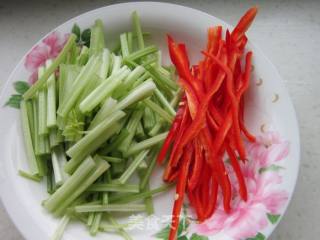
pixel 51 99
pixel 116 63
pixel 124 44
pixel 140 53
pixel 131 127
pixel 160 78
pixel 61 228
pixel 156 108
pixel 138 196
pixel 104 69
pixel 59 159
pixel 90 147
pixel 78 85
pixel 103 91
pixel 59 59
pixel 115 144
pixel 100 168
pixel 164 102
pixel 148 119
pixel 97 43
pixel 114 187
pixel 82 59
pixel 146 143
pixel 140 134
pixel 34 168
pixel 129 39
pixel 70 185
pixel 33 177
pixel 42 107
pixel 121 231
pixel 111 159
pixel 105 110
pixel 110 208
pixel 93 134
pixel 132 167
pixel 142 91
pixel 137 29
pixel 152 163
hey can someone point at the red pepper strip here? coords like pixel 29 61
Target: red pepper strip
pixel 217 165
pixel 236 167
pixel 244 24
pixel 234 104
pixel 242 43
pixel 195 175
pixel 212 122
pixel 199 207
pixel 180 189
pixel 171 135
pixel 198 122
pixel 214 197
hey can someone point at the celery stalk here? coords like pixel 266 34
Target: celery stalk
pixel 146 143
pixel 51 99
pixel 137 29
pixel 104 69
pixel 164 102
pixel 59 59
pixel 140 53
pixel 132 167
pixel 33 177
pixel 100 168
pixel 58 234
pixel 105 110
pixel 78 86
pixel 97 43
pixel 124 44
pixel 103 91
pixel 115 144
pixel 34 168
pixel 116 64
pixel 70 185
pixel 93 134
pixel 156 108
pixel 142 91
pixel 110 208
pixel 114 187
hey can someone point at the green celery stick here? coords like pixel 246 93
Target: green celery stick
pixel 90 147
pixel 160 78
pixel 116 63
pixel 51 99
pixel 79 176
pixel 78 86
pixel 115 144
pixel 142 91
pixel 124 44
pixel 34 168
pixel 146 144
pixel 58 234
pixel 105 65
pixel 132 167
pixel 164 102
pixel 105 110
pixel 133 76
pixel 103 91
pixel 42 106
pixel 101 167
pixel 148 119
pixel 110 208
pixel 140 134
pixel 140 54
pixel 82 59
pixel 121 231
pixel 97 42
pixel 146 177
pixel 93 134
pixel 111 159
pixel 129 39
pixel 131 127
pixel 114 187
pixel 137 29
pixel 156 108
pixel 59 59
pixel 33 177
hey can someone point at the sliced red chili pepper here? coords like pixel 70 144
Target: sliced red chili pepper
pixel 236 167
pixel 180 189
pixel 195 176
pixel 244 24
pixel 214 197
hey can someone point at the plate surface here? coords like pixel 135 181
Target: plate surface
pixel 273 165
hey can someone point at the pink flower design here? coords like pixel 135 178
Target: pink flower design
pixel 49 48
pixel 264 195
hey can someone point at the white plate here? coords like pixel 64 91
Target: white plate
pixel 268 109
